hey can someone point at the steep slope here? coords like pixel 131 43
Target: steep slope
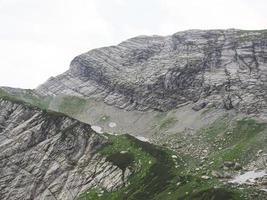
pixel 111 119
pixel 223 68
pixel 170 176
pixel 46 155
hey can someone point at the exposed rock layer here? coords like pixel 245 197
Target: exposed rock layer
pixel 226 68
pixel 47 155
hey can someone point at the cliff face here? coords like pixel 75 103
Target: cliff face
pixel 47 155
pixel 224 68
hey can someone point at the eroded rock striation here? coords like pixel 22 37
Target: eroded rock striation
pixel 225 68
pixel 46 155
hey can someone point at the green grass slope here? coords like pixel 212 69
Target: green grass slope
pixel 26 97
pixel 159 174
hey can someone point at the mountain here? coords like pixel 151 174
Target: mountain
pixel 175 117
pixel 47 155
pixel 223 68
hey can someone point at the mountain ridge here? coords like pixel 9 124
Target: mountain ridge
pixel 41 150
pixel 221 67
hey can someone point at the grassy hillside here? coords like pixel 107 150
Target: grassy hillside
pixel 27 97
pixel 71 105
pixel 159 173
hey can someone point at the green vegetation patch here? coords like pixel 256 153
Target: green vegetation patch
pixel 104 119
pixel 27 97
pixel 72 104
pixel 246 129
pixel 15 99
pixel 166 123
pixel 163 123
pixel 30 97
pixel 94 194
pixel 253 31
pixel 124 153
pixel 213 194
pixel 5 95
pixel 244 140
pixel 234 140
pixel 216 128
pixel 122 160
pixel 32 102
pixel 166 177
pixel 153 168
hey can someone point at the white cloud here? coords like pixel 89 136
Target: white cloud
pixel 212 14
pixel 39 38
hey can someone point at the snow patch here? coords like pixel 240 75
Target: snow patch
pixel 97 129
pixel 110 133
pixel 142 138
pixel 112 124
pixel 248 176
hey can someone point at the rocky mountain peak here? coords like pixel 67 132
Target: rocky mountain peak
pixel 225 68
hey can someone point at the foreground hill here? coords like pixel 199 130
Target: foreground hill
pixel 47 155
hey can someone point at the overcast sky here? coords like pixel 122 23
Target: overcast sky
pixel 39 38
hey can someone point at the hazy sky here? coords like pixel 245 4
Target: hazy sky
pixel 39 38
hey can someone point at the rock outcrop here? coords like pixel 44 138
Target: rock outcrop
pixel 226 68
pixel 46 155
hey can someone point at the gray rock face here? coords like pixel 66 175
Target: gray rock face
pixel 227 68
pixel 49 156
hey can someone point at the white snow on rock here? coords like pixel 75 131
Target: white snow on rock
pixel 142 138
pixel 248 176
pixel 97 129
pixel 110 133
pixel 112 124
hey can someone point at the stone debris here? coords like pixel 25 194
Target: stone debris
pixel 205 177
